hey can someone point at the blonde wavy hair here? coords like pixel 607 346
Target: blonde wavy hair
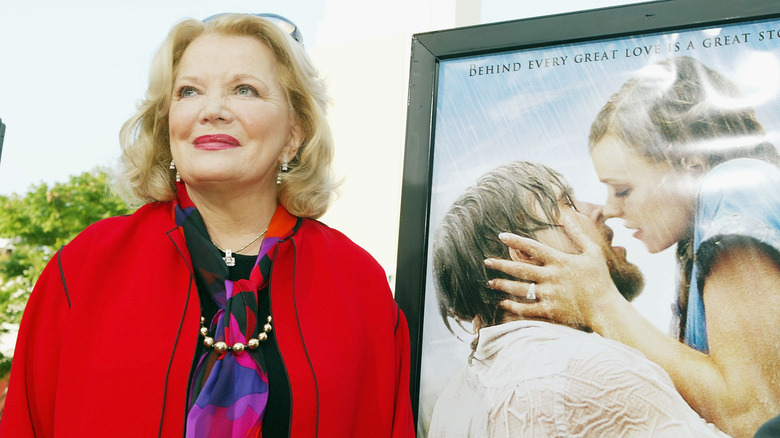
pixel 143 175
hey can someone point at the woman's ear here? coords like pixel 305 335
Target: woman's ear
pixel 296 138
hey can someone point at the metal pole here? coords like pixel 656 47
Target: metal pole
pixel 2 136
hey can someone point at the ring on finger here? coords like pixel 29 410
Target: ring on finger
pixel 531 294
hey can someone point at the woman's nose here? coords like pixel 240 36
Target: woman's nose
pixel 611 209
pixel 215 109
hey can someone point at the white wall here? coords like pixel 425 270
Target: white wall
pixel 367 71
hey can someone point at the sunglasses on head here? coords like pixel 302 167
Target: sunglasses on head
pixel 283 23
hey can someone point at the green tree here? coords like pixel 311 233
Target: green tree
pixel 39 223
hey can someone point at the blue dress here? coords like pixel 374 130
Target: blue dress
pixel 739 198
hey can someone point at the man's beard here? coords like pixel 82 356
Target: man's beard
pixel 627 277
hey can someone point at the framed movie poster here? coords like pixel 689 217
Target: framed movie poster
pixel 529 90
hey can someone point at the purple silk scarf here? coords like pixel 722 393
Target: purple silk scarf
pixel 229 391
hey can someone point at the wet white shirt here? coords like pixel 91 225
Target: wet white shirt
pixel 536 379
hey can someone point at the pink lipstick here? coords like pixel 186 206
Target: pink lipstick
pixel 215 142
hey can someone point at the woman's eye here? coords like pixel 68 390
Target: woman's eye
pixel 622 193
pixel 246 90
pixel 187 91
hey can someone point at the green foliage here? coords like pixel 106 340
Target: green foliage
pixel 51 216
pixel 39 223
pixel 5 365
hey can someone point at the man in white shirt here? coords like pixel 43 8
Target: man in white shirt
pixel 532 378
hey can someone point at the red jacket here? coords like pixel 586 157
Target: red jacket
pixel 109 335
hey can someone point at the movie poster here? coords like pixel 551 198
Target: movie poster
pixel 538 105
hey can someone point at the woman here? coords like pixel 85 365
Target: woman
pixel 221 306
pixel 685 163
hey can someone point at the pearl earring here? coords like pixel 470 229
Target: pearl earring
pixel 173 167
pixel 282 171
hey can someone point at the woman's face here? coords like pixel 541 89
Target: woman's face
pixel 651 197
pixel 229 118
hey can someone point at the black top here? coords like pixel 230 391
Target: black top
pixel 276 421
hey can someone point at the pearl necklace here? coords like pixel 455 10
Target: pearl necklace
pixel 238 347
pixel 229 259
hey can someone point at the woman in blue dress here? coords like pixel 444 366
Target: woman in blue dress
pixel 685 163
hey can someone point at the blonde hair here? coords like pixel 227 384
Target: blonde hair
pixel 143 173
pixel 679 108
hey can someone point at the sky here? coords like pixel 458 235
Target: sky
pixel 72 72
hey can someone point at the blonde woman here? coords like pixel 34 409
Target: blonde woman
pixel 221 307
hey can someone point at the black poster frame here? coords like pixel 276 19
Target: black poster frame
pixel 428 50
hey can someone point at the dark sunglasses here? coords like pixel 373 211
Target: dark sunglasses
pixel 283 23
